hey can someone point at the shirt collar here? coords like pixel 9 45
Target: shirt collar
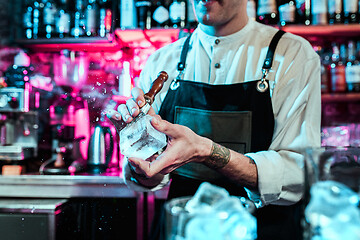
pixel 210 40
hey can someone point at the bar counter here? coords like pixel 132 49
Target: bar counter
pixel 27 188
pixel 66 186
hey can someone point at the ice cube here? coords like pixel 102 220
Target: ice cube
pixel 210 214
pixel 204 227
pixel 329 198
pixel 205 198
pixel 140 139
pixel 239 223
pixel 345 225
pixel 227 220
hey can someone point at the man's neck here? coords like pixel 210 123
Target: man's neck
pixel 224 29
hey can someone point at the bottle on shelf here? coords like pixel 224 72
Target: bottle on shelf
pixel 90 15
pixel 105 17
pixel 160 15
pixel 319 12
pixel 267 12
pixel 79 20
pixel 63 19
pixel 287 13
pixel 37 18
pixel 27 19
pixel 352 69
pixel 325 65
pixel 351 11
pixel 303 8
pixel 191 21
pixel 337 69
pixel 177 11
pixel 128 16
pixel 335 10
pixel 49 15
pixel 143 13
pixel 251 9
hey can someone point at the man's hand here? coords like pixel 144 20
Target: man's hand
pixel 183 146
pixel 127 112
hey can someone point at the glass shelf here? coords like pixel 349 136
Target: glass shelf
pixel 340 97
pixel 131 38
pixel 349 30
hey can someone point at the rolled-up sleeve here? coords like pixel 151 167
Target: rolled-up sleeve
pixel 296 103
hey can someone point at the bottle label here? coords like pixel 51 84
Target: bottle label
pixel 27 18
pixel 338 80
pixel 352 74
pixel 334 6
pixel 161 14
pixel 177 11
pixel 64 22
pixel 90 20
pixel 287 13
pixel 318 6
pixel 350 6
pixel 128 17
pixel 266 7
pixel 49 15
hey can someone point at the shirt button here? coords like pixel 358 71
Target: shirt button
pixel 217 65
pixel 217 41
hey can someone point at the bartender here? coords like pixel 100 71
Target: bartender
pixel 242 99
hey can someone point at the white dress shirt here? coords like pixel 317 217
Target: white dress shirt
pixel 294 90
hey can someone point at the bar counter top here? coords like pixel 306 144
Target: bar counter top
pixel 68 186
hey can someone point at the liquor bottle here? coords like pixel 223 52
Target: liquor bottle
pixel 105 17
pixel 352 69
pixel 49 14
pixel 177 10
pixel 251 9
pixel 267 12
pixel 27 19
pixel 335 8
pixel 128 18
pixel 90 15
pixel 78 26
pixel 351 11
pixel 287 13
pixel 63 19
pixel 191 21
pixel 337 69
pixel 160 16
pixel 319 12
pixel 37 18
pixel 325 64
pixel 143 13
pixel 303 11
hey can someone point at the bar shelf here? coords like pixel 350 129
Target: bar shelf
pixel 343 30
pixel 340 97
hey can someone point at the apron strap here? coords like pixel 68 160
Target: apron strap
pixel 270 53
pixel 184 51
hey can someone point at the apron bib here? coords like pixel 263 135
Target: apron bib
pixel 237 116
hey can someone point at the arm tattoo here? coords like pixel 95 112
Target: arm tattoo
pixel 219 156
pixel 251 161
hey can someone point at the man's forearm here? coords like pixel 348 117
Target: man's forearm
pixel 233 165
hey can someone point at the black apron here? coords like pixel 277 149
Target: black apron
pixel 238 116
